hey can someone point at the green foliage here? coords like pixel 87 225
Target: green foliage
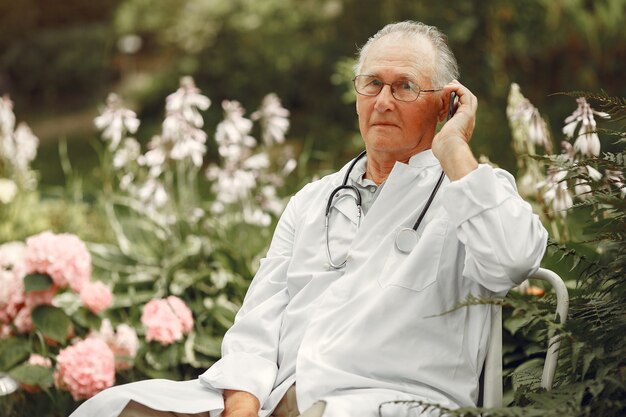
pixel 52 322
pixel 34 375
pixel 37 282
pixel 591 376
pixel 164 228
pixel 12 352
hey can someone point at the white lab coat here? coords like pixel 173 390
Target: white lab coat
pixel 385 327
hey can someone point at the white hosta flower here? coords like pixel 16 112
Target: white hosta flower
pixel 115 121
pixel 221 278
pixel 26 144
pixel 527 120
pixel 127 153
pixel 527 183
pixel 538 131
pixel 232 153
pixel 556 194
pixel 290 165
pixel 568 151
pixel 189 149
pixel 217 207
pixel 195 215
pixel 256 216
pixel 8 190
pixel 231 186
pixel 186 101
pixel 155 158
pixel 257 162
pixel 182 137
pixel 274 119
pixel 126 181
pixel 7 117
pixel 582 189
pixel 587 142
pixel 234 130
pixel 593 173
pixel 616 178
pixel 269 200
pixel 185 140
pixel 153 193
pixel 176 128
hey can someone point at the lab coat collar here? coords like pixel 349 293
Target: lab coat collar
pixel 424 159
pixel 420 160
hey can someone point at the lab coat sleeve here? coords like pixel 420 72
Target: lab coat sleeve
pixel 250 346
pixel 504 240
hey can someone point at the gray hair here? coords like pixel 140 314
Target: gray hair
pixel 446 68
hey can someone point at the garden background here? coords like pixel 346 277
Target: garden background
pixel 195 229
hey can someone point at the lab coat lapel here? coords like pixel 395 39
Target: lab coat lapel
pixel 345 203
pixel 400 201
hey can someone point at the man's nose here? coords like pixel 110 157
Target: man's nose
pixel 385 99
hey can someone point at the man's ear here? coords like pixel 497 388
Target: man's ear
pixel 444 105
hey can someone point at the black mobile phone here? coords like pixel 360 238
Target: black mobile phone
pixel 452 107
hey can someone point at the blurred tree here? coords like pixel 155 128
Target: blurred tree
pixel 54 51
pixel 301 49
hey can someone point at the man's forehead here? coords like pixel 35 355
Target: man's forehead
pixel 409 56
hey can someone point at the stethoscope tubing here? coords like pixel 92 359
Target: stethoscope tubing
pixel 406 239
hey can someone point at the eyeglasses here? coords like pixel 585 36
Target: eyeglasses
pixel 402 90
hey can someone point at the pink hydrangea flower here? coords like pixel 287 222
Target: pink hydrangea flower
pixel 167 320
pixel 183 313
pixel 64 257
pixel 39 360
pixel 11 285
pixel 23 321
pixel 85 368
pixel 123 342
pixel 33 299
pixel 96 296
pixel 11 295
pixel 11 254
pixel 5 331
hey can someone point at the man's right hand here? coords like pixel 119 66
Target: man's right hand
pixel 240 404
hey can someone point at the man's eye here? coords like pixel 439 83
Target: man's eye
pixel 375 83
pixel 405 85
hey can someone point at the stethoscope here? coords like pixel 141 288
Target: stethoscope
pixel 406 238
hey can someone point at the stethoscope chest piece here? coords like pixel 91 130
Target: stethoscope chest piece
pixel 406 240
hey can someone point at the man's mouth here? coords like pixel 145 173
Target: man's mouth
pixel 383 124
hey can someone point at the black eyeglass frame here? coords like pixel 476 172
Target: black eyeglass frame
pixel 391 87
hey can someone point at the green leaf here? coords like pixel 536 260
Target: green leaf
pixel 52 321
pixel 161 358
pixel 37 282
pixel 87 319
pixel 12 352
pixel 208 345
pixel 33 375
pixel 514 323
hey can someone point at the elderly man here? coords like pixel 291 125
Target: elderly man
pixel 354 304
